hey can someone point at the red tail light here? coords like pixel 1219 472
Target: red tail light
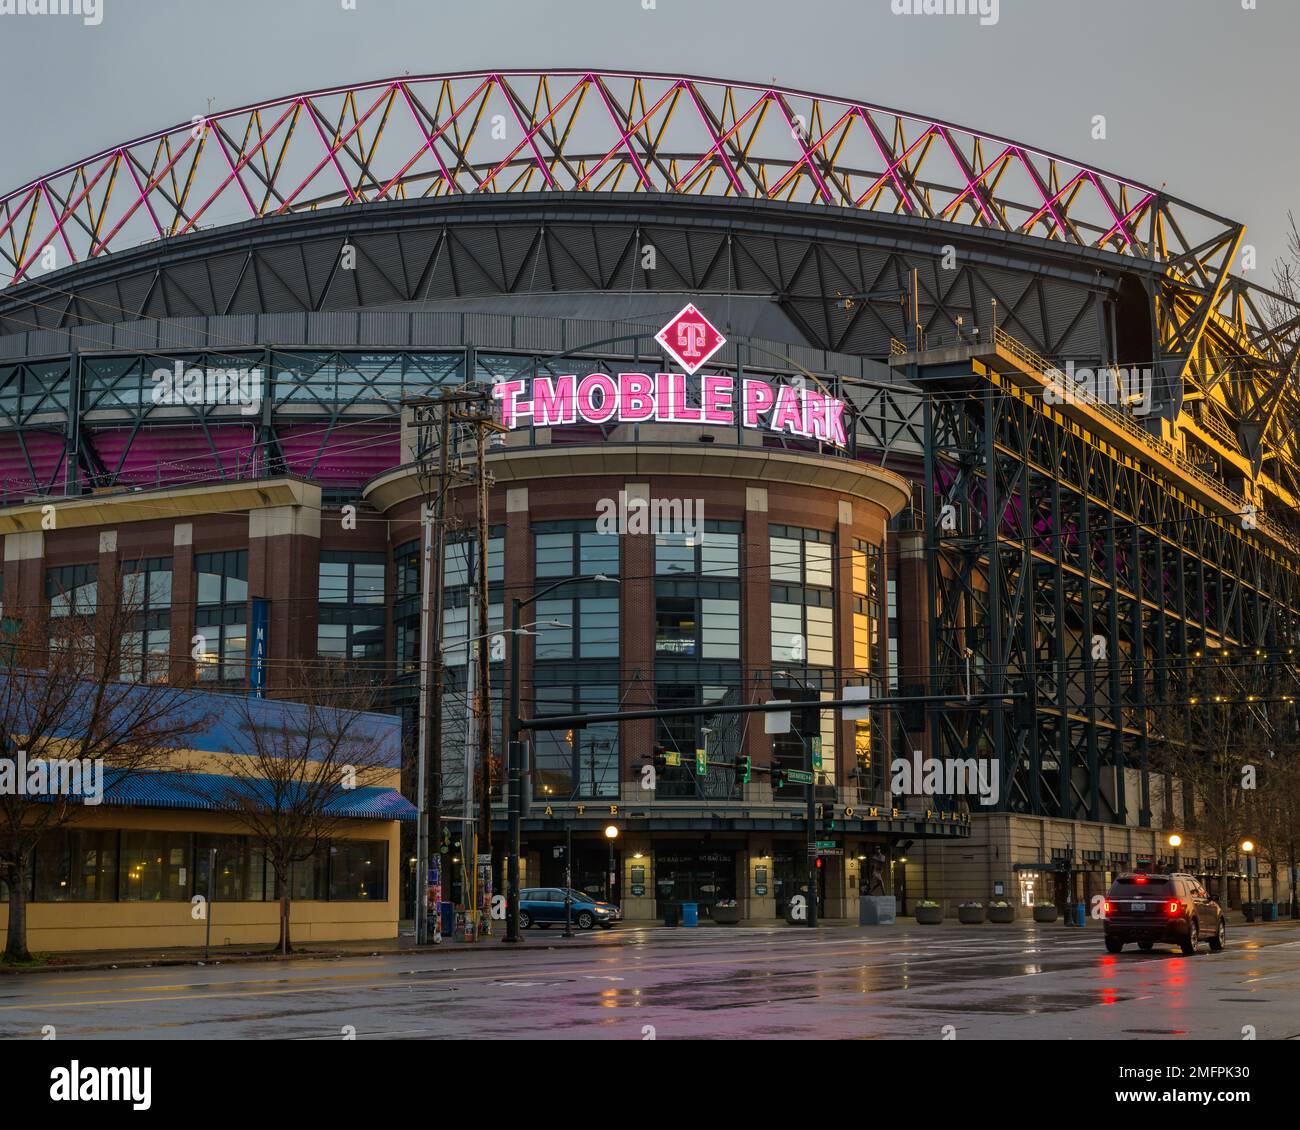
pixel 1105 907
pixel 1174 907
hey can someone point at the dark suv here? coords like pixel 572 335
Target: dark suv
pixel 1162 908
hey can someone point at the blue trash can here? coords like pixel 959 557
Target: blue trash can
pixel 690 914
pixel 1079 914
pixel 448 911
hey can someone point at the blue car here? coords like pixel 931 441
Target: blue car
pixel 542 906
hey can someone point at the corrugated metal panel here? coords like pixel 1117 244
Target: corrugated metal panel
pixel 92 338
pixel 136 335
pixel 544 334
pixel 47 341
pixel 387 328
pixel 332 328
pixel 215 791
pixel 182 333
pixel 282 329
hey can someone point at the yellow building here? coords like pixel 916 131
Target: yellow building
pixel 125 873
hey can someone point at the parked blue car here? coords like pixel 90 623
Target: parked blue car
pixel 541 906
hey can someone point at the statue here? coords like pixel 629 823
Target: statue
pixel 876 882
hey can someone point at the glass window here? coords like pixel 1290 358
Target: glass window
pixel 554 555
pixel 674 553
pixel 720 634
pixel 676 626
pixel 72 590
pixel 358 870
pixel 223 577
pixel 720 554
pixel 786 561
pixel 554 643
pixel 156 866
pixel 597 628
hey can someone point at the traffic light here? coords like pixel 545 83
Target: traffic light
pixel 779 777
pixel 659 758
pixel 741 770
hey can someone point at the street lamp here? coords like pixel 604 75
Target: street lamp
pixel 611 834
pixel 1248 846
pixel 514 768
pixel 1175 842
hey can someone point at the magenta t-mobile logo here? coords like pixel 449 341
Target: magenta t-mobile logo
pixel 690 338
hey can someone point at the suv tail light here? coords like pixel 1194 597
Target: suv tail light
pixel 1174 907
pixel 1105 906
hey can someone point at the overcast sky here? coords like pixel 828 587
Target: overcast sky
pixel 1198 94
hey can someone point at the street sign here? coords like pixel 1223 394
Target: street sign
pixel 701 762
pixel 826 844
pixel 799 777
pixel 673 757
pixel 856 713
pixel 777 721
pixel 830 851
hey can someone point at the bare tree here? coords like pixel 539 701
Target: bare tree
pixel 78 713
pixel 296 762
pixel 1216 747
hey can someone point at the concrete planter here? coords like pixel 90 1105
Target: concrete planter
pixel 929 915
pixel 972 915
pixel 1002 914
pixel 726 915
pixel 1044 914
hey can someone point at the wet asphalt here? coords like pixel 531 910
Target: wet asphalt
pixel 902 982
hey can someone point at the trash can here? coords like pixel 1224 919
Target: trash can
pixel 1268 911
pixel 672 914
pixel 1080 916
pixel 690 914
pixel 448 911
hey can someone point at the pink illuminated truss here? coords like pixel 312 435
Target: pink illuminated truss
pixel 587 131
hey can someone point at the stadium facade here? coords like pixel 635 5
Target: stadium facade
pixel 209 333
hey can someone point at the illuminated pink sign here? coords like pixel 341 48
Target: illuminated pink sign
pixel 631 398
pixel 690 339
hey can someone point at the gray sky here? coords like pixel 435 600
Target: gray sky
pixel 1200 94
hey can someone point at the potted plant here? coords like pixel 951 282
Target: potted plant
pixel 1001 911
pixel 1044 912
pixel 970 913
pixel 929 913
pixel 726 912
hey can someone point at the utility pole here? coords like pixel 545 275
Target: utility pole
pixel 483 423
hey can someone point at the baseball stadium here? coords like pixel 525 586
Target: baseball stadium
pixel 998 435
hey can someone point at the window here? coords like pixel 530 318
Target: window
pixel 155 866
pixel 803 622
pixel 351 578
pixel 684 734
pixel 72 590
pixel 358 870
pixel 687 626
pixel 576 763
pixel 804 634
pixel 147 595
pixel 801 557
pixel 350 628
pixel 221 618
pixel 572 549
pixel 714 552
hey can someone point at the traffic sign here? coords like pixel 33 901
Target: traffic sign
pixel 827 844
pixel 799 777
pixel 673 757
pixel 816 746
pixel 701 762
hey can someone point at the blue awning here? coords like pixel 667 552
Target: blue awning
pixel 215 792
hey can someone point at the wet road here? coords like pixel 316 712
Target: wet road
pixel 900 982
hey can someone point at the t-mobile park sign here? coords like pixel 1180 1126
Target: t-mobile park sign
pixel 664 398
